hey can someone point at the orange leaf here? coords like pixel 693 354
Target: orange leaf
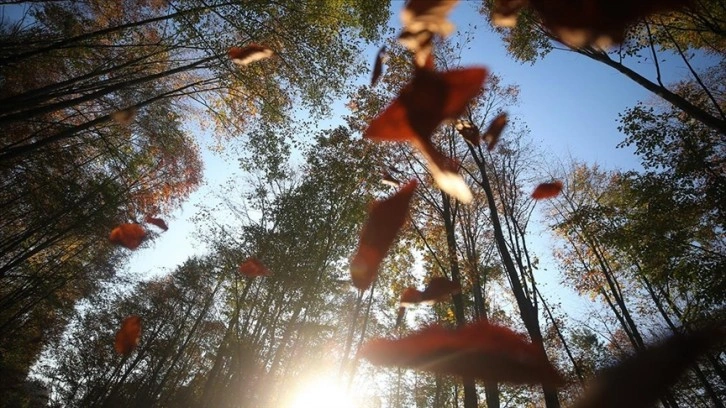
pixel 547 190
pixel 389 180
pixel 127 338
pixel 124 117
pixel 385 218
pixel 128 235
pixel 253 268
pixel 585 22
pixel 156 221
pixel 378 67
pixel 251 53
pixel 495 130
pixel 479 350
pixel 639 381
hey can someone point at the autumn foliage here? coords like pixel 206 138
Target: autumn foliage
pixel 253 268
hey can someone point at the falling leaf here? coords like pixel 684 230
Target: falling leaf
pixel 639 381
pixel 438 289
pixel 399 316
pixel 419 109
pixel 127 338
pixel 494 131
pixel 124 117
pixel 428 15
pixel 479 350
pixel 253 268
pixel 580 23
pixel 128 235
pixel 378 67
pixel 411 296
pixel 547 190
pixel 421 44
pixel 468 131
pixel 251 53
pixel 156 221
pixel 389 180
pixel 385 218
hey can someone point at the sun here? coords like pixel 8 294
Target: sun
pixel 322 393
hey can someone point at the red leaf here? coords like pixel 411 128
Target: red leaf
pixel 385 218
pixel 423 104
pixel 580 23
pixel 547 190
pixel 479 350
pixel 251 53
pixel 469 132
pixel 495 130
pixel 378 67
pixel 127 338
pixel 128 235
pixel 156 221
pixel 253 268
pixel 419 109
pixel 639 381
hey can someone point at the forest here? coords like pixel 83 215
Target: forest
pixel 391 233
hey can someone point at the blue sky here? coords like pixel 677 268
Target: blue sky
pixel 570 104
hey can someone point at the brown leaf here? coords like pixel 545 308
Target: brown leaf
pixel 253 268
pixel 469 132
pixel 639 381
pixel 438 289
pixel 419 109
pixel 124 117
pixel 156 221
pixel 421 44
pixel 128 235
pixel 251 53
pixel 428 15
pixel 385 218
pixel 378 66
pixel 494 131
pixel 479 350
pixel 127 338
pixel 585 22
pixel 547 190
pixel 411 296
pixel 399 316
pixel 389 180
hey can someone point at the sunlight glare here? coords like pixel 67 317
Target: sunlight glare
pixel 322 393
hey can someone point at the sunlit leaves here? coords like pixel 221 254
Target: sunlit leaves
pixel 469 132
pixel 639 381
pixel 253 268
pixel 438 289
pixel 479 350
pixel 251 53
pixel 419 109
pixel 581 23
pixel 127 338
pixel 157 222
pixel 385 218
pixel 547 190
pixel 128 235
